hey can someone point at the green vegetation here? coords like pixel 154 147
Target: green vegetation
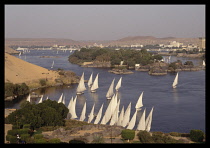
pixel 196 135
pixel 130 57
pixel 156 137
pixel 128 134
pixel 48 113
pixel 15 89
pixel 42 82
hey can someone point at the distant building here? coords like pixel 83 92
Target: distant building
pixel 202 43
pixel 137 45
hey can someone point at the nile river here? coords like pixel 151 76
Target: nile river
pixel 175 110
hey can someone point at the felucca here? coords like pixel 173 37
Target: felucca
pixel 174 85
pixel 110 92
pixel 52 64
pixel 90 81
pixel 82 116
pixel 95 84
pixel 118 84
pixel 139 103
pixel 81 86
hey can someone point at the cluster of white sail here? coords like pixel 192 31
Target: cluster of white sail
pixel 93 85
pixel 112 115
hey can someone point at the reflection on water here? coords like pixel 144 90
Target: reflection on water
pixel 175 95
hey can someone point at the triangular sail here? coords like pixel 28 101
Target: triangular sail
pixel 73 109
pixel 81 86
pixel 60 99
pixel 114 118
pixel 120 119
pixel 126 117
pixel 110 92
pixel 82 116
pixel 175 81
pixel 52 64
pixel 63 101
pixel 40 100
pixel 149 121
pixel 132 121
pixel 28 98
pixel 90 81
pixel 95 84
pixel 139 103
pixel 141 125
pixel 118 84
pixel 98 117
pixel 91 116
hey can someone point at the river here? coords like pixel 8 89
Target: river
pixel 175 110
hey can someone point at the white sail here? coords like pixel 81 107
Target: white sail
pixel 90 81
pixel 118 84
pixel 47 98
pixel 98 117
pixel 28 98
pixel 81 86
pixel 149 121
pixel 73 109
pixel 204 64
pixel 95 84
pixel 120 119
pixel 174 85
pixel 63 101
pixel 108 113
pixel 139 103
pixel 126 117
pixel 114 118
pixel 82 116
pixel 52 64
pixel 132 121
pixel 60 99
pixel 91 116
pixel 40 100
pixel 70 104
pixel 141 125
pixel 110 92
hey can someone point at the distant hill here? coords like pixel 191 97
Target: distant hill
pixel 40 41
pixel 144 40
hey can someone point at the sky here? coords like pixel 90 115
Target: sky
pixel 104 22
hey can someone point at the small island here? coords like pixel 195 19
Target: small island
pixel 123 60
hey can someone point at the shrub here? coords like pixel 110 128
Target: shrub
pixel 145 137
pixel 38 136
pixel 128 134
pixel 196 135
pixel 12 132
pixel 42 140
pixel 42 82
pixel 54 140
pixel 26 126
pixel 25 137
pixel 76 141
pixel 11 139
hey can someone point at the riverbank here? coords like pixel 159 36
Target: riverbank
pixel 18 71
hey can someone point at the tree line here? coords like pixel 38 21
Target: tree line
pixel 129 57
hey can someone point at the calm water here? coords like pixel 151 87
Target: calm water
pixel 175 110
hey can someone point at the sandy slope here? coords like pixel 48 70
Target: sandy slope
pixel 19 71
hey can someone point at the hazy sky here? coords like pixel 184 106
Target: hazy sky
pixel 104 22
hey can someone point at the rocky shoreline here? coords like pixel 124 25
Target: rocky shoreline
pixel 120 71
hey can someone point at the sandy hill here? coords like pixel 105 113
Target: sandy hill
pixel 19 71
pixel 150 40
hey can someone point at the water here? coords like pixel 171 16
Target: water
pixel 175 110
